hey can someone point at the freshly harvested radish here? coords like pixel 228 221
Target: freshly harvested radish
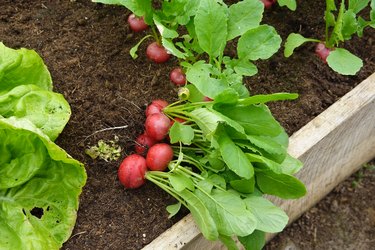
pixel 178 77
pixel 157 53
pixel 132 170
pixel 156 106
pixel 136 24
pixel 322 51
pixel 157 126
pixel 143 143
pixel 159 156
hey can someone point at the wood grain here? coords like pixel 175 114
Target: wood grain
pixel 332 147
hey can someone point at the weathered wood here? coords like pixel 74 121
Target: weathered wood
pixel 332 146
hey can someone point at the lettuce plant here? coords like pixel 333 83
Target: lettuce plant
pixel 341 25
pixel 39 188
pixel 26 91
pixel 39 182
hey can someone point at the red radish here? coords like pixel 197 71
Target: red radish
pixel 137 24
pixel 156 106
pixel 322 51
pixel 207 99
pixel 132 171
pixel 268 3
pixel 159 156
pixel 177 119
pixel 157 53
pixel 178 77
pixel 157 126
pixel 143 143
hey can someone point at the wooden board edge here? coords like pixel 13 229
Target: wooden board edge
pixel 345 133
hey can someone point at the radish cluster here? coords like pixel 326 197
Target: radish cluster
pixel 152 152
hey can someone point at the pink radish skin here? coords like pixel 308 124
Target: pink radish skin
pixel 322 51
pixel 137 24
pixel 268 3
pixel 207 99
pixel 177 119
pixel 178 77
pixel 156 106
pixel 157 53
pixel 159 156
pixel 143 143
pixel 132 170
pixel 157 126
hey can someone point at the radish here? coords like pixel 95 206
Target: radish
pixel 207 99
pixel 136 24
pixel 268 3
pixel 157 126
pixel 178 77
pixel 177 119
pixel 159 156
pixel 143 143
pixel 322 51
pixel 156 106
pixel 132 170
pixel 157 53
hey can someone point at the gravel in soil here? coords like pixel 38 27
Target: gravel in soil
pixel 86 48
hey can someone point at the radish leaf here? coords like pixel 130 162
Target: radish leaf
pixel 293 41
pixel 281 185
pixel 270 218
pixel 211 27
pixel 258 43
pixel 344 62
pixel 181 133
pixel 243 16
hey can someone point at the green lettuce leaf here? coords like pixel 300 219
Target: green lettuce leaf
pixel 22 66
pixel 39 188
pixel 49 111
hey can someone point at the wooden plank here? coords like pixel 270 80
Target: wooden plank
pixel 332 146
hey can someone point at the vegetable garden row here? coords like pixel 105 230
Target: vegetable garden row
pixel 216 149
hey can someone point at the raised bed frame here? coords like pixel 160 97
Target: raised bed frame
pixel 332 146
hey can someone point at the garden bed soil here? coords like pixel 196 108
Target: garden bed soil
pixel 86 48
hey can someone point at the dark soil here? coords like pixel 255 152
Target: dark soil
pixel 86 48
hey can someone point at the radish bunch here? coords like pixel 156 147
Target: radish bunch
pixel 150 144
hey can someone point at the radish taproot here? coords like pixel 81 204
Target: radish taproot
pixel 132 170
pixel 143 143
pixel 322 51
pixel 157 53
pixel 159 156
pixel 156 106
pixel 157 126
pixel 137 24
pixel 178 77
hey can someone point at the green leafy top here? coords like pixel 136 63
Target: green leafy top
pixel 39 188
pixel 341 24
pixel 240 152
pixel 20 67
pixel 26 91
pixel 39 182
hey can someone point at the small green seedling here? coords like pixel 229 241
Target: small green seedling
pixel 341 25
pixel 108 151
